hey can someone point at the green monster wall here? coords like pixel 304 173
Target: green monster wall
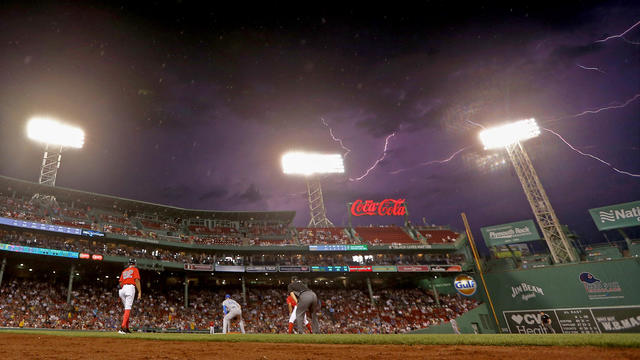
pixel 590 297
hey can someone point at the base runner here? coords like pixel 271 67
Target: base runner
pixel 231 310
pixel 292 315
pixel 129 282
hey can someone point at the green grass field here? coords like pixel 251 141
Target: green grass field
pixel 606 340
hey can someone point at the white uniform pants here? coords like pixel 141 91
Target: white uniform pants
pixel 232 314
pixel 292 317
pixel 127 294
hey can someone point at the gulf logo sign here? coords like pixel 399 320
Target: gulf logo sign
pixel 465 285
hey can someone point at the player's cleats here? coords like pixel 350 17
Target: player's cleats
pixel 127 330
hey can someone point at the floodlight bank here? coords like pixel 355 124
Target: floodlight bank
pixel 302 163
pixel 52 132
pixel 504 135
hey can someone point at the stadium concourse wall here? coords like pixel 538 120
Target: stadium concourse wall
pixel 586 297
pixel 476 320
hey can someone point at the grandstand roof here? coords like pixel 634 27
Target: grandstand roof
pixel 8 184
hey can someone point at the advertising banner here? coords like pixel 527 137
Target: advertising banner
pixel 511 233
pixel 410 246
pixel 616 216
pixel 338 247
pixel 614 320
pixel 360 269
pixel 230 268
pixel 92 233
pixel 413 268
pixel 329 269
pixel 386 207
pixel 384 268
pixel 40 226
pixel 265 269
pixel 39 251
pixel 286 268
pixel 198 267
pixel 618 320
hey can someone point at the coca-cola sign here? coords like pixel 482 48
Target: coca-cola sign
pixel 386 207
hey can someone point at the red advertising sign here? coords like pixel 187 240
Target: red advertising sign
pixel 96 257
pixel 360 269
pixel 455 268
pixel 413 268
pixel 199 267
pixel 84 256
pixel 387 207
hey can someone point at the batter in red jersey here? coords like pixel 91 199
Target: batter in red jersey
pixel 129 282
pixel 291 302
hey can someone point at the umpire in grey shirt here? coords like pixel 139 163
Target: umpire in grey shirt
pixel 307 300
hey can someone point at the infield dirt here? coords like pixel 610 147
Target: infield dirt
pixel 24 346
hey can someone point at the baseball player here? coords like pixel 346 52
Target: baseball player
pixel 546 322
pixel 212 328
pixel 306 300
pixel 129 282
pixel 292 315
pixel 231 310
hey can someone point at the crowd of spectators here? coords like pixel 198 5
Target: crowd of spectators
pixel 96 306
pixel 105 247
pixel 322 236
pixel 241 233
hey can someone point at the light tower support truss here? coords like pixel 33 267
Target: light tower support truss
pixel 50 165
pixel 561 250
pixel 316 204
pixel 48 173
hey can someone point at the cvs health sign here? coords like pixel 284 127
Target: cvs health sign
pixel 387 207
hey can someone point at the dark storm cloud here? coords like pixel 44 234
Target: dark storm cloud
pixel 250 196
pixel 175 192
pixel 177 97
pixel 214 193
pixel 573 52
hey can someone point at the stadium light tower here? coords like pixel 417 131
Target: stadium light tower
pixel 55 137
pixel 510 136
pixel 312 166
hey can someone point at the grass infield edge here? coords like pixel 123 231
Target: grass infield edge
pixel 601 340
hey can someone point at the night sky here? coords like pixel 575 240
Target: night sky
pixel 193 106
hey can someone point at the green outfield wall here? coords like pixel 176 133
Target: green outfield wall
pixel 589 297
pixel 474 321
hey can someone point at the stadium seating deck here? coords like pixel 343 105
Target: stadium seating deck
pixel 384 235
pixel 439 236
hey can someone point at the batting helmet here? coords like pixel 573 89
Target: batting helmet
pixel 227 296
pixel 132 261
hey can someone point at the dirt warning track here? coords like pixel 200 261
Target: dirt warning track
pixel 35 346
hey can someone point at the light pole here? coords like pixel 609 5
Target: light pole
pixel 55 137
pixel 312 166
pixel 510 136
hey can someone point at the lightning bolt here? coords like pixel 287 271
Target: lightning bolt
pixel 382 157
pixel 590 68
pixel 595 111
pixel 338 140
pixel 591 156
pixel 474 123
pixel 619 35
pixel 431 162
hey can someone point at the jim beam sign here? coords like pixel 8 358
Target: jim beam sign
pixel 526 291
pixel 616 216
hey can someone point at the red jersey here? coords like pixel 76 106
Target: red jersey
pixel 129 276
pixel 291 302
